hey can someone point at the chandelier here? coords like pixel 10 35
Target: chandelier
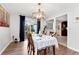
pixel 39 14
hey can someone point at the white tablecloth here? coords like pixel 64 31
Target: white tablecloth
pixel 44 41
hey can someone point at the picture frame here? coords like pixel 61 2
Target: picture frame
pixel 50 24
pixel 4 17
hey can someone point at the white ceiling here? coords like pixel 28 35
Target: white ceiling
pixel 50 9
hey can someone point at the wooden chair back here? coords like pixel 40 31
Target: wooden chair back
pixel 52 33
pixel 30 39
pixel 31 43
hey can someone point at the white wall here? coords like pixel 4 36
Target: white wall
pixel 5 38
pixel 7 33
pixel 73 29
pixel 15 26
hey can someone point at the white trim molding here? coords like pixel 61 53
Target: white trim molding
pixel 5 47
pixel 73 49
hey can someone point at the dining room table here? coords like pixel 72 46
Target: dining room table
pixel 43 41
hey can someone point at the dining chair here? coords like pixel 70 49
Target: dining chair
pixel 30 46
pixel 52 33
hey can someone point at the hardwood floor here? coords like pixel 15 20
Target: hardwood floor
pixel 21 49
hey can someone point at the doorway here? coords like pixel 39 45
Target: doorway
pixel 61 29
pixel 64 28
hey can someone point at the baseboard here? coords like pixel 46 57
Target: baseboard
pixel 73 49
pixel 63 44
pixel 5 47
pixel 69 47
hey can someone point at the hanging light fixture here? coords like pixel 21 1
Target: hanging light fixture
pixel 39 14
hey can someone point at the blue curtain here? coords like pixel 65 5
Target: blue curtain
pixel 22 24
pixel 38 27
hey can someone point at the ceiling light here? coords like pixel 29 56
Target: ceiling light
pixel 39 14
